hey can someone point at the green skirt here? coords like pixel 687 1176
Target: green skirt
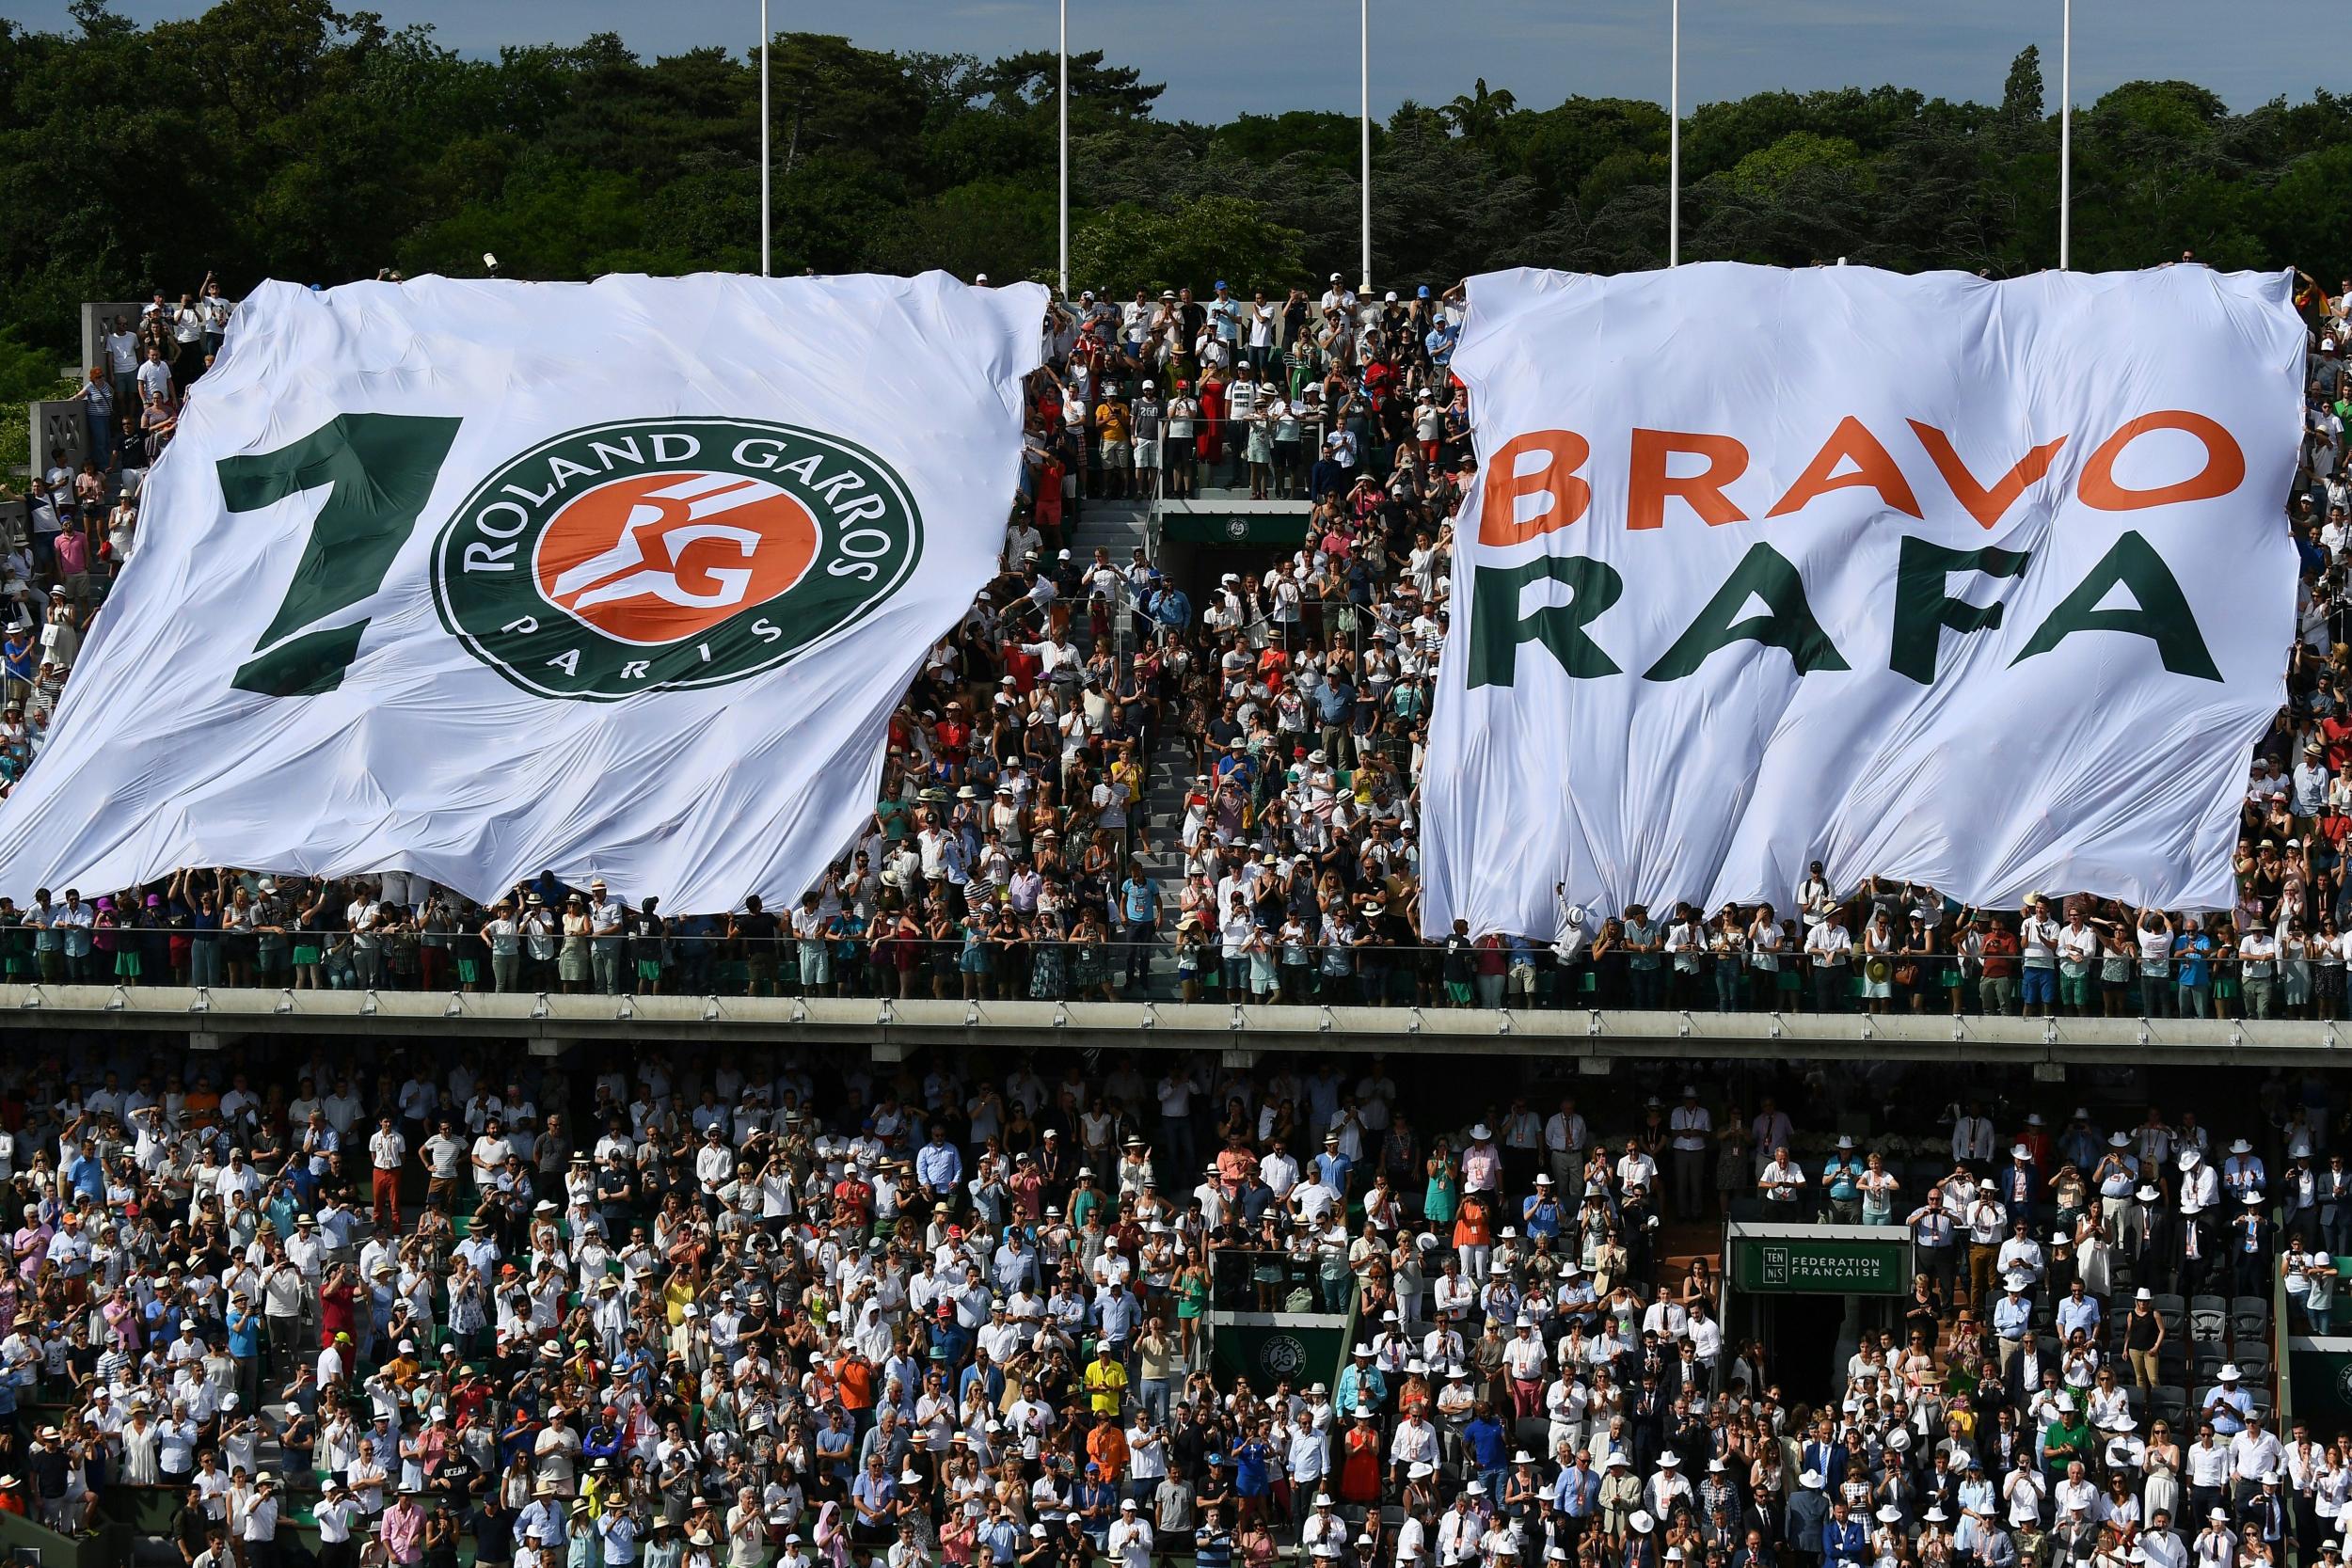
pixel 306 953
pixel 127 965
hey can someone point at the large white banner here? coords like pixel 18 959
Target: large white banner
pixel 1986 585
pixel 476 579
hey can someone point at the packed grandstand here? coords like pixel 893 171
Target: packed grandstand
pixel 645 1306
pixel 786 1310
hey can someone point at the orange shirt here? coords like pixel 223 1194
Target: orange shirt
pixel 1106 1445
pixel 1473 1222
pixel 857 1384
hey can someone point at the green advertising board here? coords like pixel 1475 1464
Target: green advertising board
pixel 1240 530
pixel 2320 1372
pixel 1821 1266
pixel 1267 1347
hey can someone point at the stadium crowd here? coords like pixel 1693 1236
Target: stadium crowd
pixel 760 1310
pixel 1099 786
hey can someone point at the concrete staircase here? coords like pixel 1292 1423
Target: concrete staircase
pixel 1116 526
pixel 1166 780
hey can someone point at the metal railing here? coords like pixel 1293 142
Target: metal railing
pixel 1011 957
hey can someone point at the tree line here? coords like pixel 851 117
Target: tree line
pixel 283 138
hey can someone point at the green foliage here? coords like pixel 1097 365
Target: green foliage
pixel 1206 238
pixel 286 138
pixel 27 373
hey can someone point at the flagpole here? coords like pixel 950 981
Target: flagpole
pixel 1065 148
pixel 2066 134
pixel 1673 138
pixel 766 161
pixel 1363 117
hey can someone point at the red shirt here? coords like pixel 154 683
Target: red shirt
pixel 2335 732
pixel 335 1311
pixel 2000 955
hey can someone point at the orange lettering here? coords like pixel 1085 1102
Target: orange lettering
pixel 1646 493
pixel 1986 506
pixel 1873 469
pixel 1567 497
pixel 2224 469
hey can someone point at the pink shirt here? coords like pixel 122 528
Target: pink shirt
pixel 403 1532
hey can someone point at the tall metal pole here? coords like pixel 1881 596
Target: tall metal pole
pixel 2066 135
pixel 766 162
pixel 1065 148
pixel 1673 138
pixel 1363 82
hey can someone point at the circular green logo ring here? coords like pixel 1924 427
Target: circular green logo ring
pixel 487 579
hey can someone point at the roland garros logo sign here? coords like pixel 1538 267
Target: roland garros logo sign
pixel 665 554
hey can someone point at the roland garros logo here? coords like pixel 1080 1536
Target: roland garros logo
pixel 653 555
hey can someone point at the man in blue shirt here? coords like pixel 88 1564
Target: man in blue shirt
pixel 543 1524
pixel 1489 1449
pixel 2077 1310
pixel 1172 608
pixel 939 1167
pixel 1540 1215
pixel 988 1378
pixel 1139 920
pixel 1334 699
pixel 2192 952
pixel 617 1528
pixel 1841 1184
pixel 2012 1317
pixel 86 1173
pixel 1362 1385
pixel 874 1497
pixel 245 1347
pixel 1332 1168
pixel 1576 1492
pixel 1212 1543
pixel 1001 1535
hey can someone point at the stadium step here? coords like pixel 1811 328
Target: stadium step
pixel 1116 526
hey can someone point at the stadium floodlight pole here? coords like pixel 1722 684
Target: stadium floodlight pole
pixel 766 161
pixel 1673 135
pixel 1065 148
pixel 2066 134
pixel 1363 117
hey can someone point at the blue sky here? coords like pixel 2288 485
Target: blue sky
pixel 1220 57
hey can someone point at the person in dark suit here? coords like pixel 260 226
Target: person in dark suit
pixel 1844 1543
pixel 2030 1372
pixel 2157 1265
pixel 1825 1458
pixel 2198 1245
pixel 1754 1550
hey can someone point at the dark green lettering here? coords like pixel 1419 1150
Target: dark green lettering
pixel 1495 592
pixel 1923 608
pixel 1766 574
pixel 378 471
pixel 2163 616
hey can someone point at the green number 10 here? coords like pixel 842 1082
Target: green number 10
pixel 378 470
